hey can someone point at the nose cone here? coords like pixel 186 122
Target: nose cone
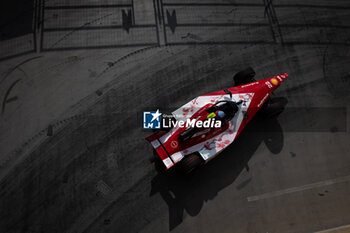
pixel 284 76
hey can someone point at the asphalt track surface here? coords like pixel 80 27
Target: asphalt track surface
pixel 73 154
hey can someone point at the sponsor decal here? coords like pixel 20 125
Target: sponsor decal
pixel 250 84
pixel 263 100
pixel 174 144
pixel 268 84
pixel 274 81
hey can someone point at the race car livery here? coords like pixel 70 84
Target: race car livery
pixel 239 103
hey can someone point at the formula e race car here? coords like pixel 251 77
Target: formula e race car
pixel 190 144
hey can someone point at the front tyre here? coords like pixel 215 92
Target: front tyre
pixel 273 107
pixel 244 77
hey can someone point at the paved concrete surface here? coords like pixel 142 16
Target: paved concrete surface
pixel 72 152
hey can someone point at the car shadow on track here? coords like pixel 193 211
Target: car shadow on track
pixel 189 193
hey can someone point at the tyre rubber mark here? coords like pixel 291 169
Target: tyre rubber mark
pixel 49 130
pixel 275 27
pixel 16 67
pixel 8 100
pixel 80 28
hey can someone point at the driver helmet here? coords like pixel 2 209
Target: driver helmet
pixel 220 114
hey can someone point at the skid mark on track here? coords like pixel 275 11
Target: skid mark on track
pixel 6 99
pixel 48 131
pixel 17 66
pixel 139 51
pixel 79 28
pixel 68 60
pixel 272 16
pixel 111 64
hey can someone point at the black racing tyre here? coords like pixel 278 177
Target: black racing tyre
pixel 153 158
pixel 191 162
pixel 273 107
pixel 244 77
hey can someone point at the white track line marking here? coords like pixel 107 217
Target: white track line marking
pixel 336 229
pixel 300 188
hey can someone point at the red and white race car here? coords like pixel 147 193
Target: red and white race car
pixel 190 147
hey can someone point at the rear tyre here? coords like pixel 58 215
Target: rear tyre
pixel 244 77
pixel 191 162
pixel 152 158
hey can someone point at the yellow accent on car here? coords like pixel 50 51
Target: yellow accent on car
pixel 211 115
pixel 274 81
